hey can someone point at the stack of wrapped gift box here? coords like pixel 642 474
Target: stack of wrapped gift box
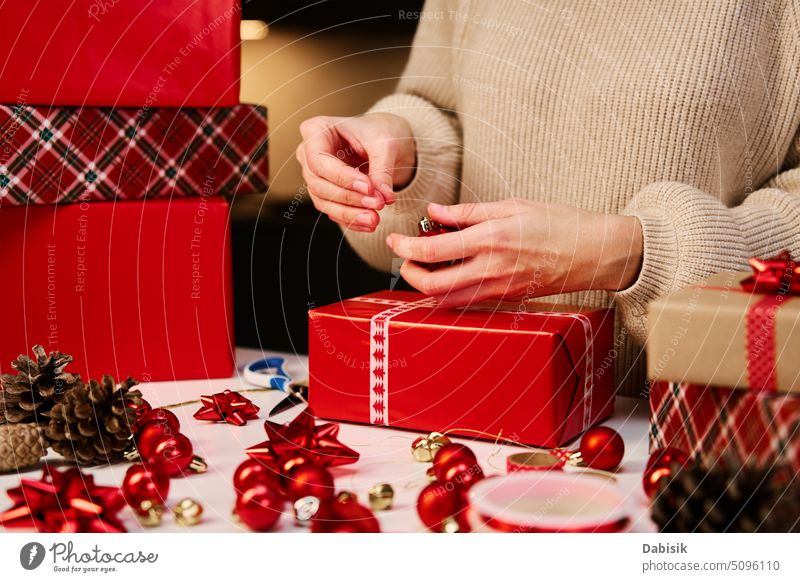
pixel 121 134
pixel 724 359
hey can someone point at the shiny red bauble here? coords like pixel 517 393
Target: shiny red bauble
pixel 440 503
pixel 661 464
pixel 150 436
pixel 160 416
pixel 140 409
pixel 145 484
pixel 259 507
pixel 451 459
pixel 602 448
pixel 173 455
pixel 306 480
pixel 254 471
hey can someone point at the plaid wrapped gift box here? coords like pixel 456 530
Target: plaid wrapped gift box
pixel 713 423
pixel 64 154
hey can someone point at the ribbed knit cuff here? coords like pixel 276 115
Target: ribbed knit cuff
pixel 659 261
pixel 438 147
pixel 688 235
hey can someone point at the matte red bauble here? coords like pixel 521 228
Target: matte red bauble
pixel 173 455
pixel 160 416
pixel 150 436
pixel 662 463
pixel 306 480
pixel 254 471
pixel 145 484
pixel 344 514
pixel 259 507
pixel 441 508
pixel 602 448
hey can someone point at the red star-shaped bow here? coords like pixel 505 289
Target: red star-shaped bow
pixel 780 274
pixel 64 502
pixel 227 406
pixel 303 435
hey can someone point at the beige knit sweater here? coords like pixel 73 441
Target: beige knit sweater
pixel 683 113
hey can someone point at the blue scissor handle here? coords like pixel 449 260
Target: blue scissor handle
pixel 268 373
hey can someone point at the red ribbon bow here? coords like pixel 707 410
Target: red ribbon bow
pixel 778 275
pixel 64 502
pixel 773 278
pixel 227 406
pixel 303 435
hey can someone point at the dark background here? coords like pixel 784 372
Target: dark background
pixel 281 264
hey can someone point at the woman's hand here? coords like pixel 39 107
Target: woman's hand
pixel 518 249
pixel 352 164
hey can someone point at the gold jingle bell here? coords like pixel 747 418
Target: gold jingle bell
pixel 424 448
pixel 381 497
pixel 188 512
pixel 149 514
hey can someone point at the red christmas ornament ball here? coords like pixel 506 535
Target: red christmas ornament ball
pixel 160 416
pixel 173 455
pixel 439 502
pixel 254 471
pixel 344 515
pixel 140 409
pixel 662 463
pixel 602 448
pixel 143 483
pixel 307 479
pixel 150 436
pixel 259 507
pixel 452 458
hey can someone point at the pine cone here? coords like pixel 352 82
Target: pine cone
pixel 727 498
pixel 36 387
pixel 21 446
pixel 93 423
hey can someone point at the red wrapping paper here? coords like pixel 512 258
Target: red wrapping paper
pixel 169 53
pixel 539 377
pixel 713 423
pixel 138 289
pixel 65 154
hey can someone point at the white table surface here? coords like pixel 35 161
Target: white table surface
pixel 385 457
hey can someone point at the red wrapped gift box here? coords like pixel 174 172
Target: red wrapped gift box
pixel 540 376
pixel 65 154
pixel 170 53
pixel 138 289
pixel 713 423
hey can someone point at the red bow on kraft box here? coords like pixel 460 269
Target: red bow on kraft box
pixel 740 330
pixel 537 373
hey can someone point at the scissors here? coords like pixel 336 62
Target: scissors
pixel 270 373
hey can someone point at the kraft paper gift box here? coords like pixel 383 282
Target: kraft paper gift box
pixel 121 53
pixel 719 332
pixel 138 289
pixel 535 373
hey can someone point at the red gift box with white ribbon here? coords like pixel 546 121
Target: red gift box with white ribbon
pixel 170 53
pixel 140 289
pixel 535 373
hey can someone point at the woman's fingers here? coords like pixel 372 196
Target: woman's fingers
pixel 321 188
pixel 444 280
pixel 322 155
pixel 472 213
pixel 441 247
pixel 360 219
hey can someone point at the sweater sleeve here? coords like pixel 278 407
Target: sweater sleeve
pixel 689 235
pixel 425 98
